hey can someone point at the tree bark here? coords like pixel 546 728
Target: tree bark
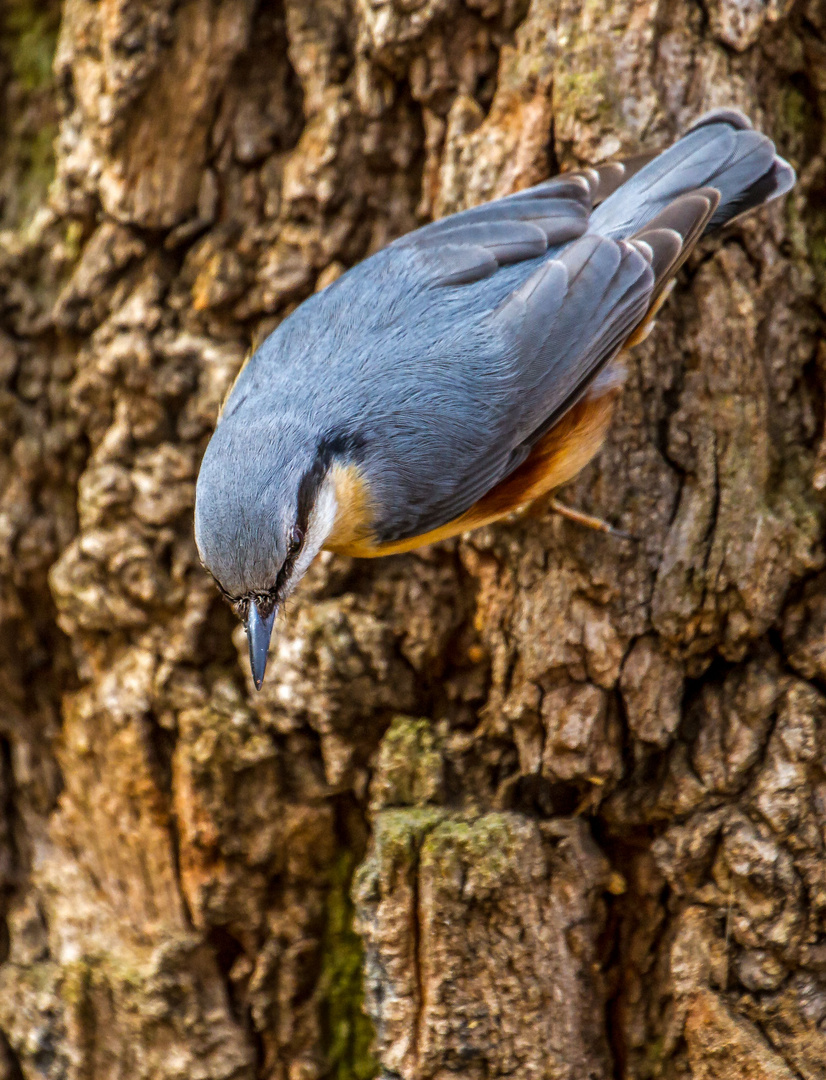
pixel 537 803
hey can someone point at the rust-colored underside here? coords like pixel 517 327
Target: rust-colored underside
pixel 554 460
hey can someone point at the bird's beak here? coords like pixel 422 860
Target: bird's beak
pixel 259 632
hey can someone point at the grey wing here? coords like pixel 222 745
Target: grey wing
pixel 570 318
pixel 558 207
pixel 554 331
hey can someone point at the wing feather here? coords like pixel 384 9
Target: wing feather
pixel 604 180
pixel 559 328
pixel 507 241
pixel 565 338
pixel 520 226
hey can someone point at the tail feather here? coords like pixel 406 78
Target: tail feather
pixel 752 159
pixel 721 152
pixel 778 180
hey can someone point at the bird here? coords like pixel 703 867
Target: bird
pixel 467 369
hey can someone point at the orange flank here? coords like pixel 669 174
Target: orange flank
pixel 554 460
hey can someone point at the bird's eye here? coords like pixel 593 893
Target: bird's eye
pixel 296 539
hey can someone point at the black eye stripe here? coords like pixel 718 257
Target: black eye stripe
pixel 289 562
pixel 332 447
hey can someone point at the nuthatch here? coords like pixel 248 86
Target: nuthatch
pixel 467 369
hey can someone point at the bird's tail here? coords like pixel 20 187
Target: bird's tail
pixel 736 165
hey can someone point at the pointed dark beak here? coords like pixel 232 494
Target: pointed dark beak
pixel 259 632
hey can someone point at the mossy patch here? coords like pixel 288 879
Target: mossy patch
pixel 348 1030
pixel 582 93
pixel 797 124
pixel 36 161
pixel 79 978
pixel 28 111
pixel 30 31
pixel 652 1064
pixel 795 110
pixel 484 848
pixel 398 833
pixel 815 230
pixel 409 767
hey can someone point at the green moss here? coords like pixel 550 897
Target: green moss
pixel 582 94
pixel 795 110
pixel 77 991
pixel 409 765
pixel 654 1057
pixel 76 984
pixel 815 232
pixel 37 168
pixel 795 124
pixel 817 251
pixel 79 978
pixel 805 230
pixel 397 840
pixel 486 847
pixel 349 1032
pixel 31 29
pixel 400 832
pixel 73 240
pixel 28 37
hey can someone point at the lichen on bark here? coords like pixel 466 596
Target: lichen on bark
pixel 574 785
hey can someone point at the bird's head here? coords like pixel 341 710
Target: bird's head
pixel 264 505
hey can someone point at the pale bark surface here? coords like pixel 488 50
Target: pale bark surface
pixel 574 786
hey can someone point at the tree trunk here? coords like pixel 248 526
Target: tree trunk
pixel 539 803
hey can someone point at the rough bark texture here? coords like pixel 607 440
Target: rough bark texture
pixel 563 797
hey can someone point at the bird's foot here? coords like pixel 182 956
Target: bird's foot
pixel 588 520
